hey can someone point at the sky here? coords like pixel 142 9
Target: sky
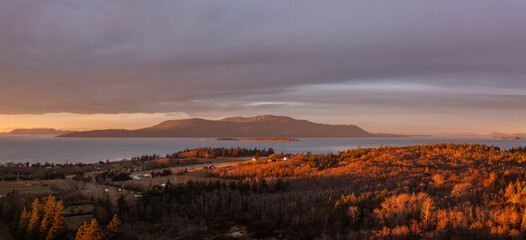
pixel 406 66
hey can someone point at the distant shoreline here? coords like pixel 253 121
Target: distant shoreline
pixel 268 139
pixel 506 137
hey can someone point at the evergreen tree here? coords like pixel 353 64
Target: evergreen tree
pixel 114 228
pixel 510 190
pixel 82 232
pixel 22 224
pixel 34 221
pixel 93 232
pixel 48 212
pixel 57 227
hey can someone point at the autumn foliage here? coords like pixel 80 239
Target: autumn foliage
pixel 434 191
pixel 44 220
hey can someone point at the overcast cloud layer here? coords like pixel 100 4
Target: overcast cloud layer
pixel 395 63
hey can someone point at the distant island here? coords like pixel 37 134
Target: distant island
pixel 226 139
pixel 507 137
pixel 38 131
pixel 267 126
pixel 503 136
pixel 273 139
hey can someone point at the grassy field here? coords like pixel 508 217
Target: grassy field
pixel 192 174
pixel 24 187
pixel 195 172
pixel 79 209
pixel 66 188
pixel 73 223
pixel 71 187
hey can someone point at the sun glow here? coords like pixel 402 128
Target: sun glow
pixel 72 121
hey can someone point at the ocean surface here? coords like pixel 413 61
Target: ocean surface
pixel 59 150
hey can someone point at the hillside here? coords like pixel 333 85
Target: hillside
pixel 259 126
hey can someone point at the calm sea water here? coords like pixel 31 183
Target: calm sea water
pixel 59 150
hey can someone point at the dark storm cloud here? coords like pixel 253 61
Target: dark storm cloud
pixel 199 56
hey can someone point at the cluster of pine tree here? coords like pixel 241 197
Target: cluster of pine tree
pixel 212 153
pixel 209 152
pixel 93 230
pixel 45 220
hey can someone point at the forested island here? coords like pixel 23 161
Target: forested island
pixel 434 191
pixel 510 138
pixel 267 139
pixel 37 131
pixel 266 126
pixel 504 136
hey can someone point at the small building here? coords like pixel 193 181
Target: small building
pixel 106 190
pixel 136 178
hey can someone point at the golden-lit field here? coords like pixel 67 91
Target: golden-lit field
pixel 70 187
pixel 194 173
pixel 199 175
pixel 24 187
pixel 67 188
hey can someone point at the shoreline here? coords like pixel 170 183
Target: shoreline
pixel 263 139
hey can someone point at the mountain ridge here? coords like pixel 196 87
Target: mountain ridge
pixel 257 126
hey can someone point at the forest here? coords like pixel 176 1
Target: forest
pixel 434 191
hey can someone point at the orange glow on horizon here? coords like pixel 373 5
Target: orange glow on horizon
pixel 421 125
pixel 83 122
